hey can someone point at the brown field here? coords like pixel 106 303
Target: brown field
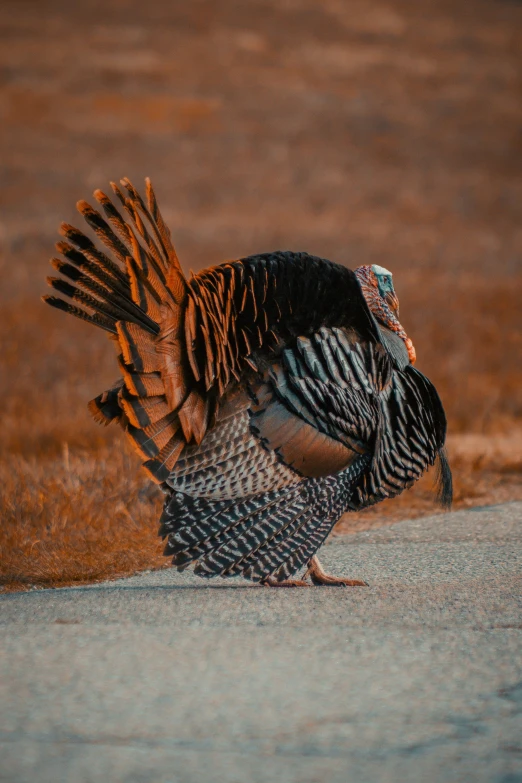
pixel 365 132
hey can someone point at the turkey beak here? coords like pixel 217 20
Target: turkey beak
pixel 392 301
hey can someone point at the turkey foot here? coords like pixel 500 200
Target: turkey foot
pixel 271 582
pixel 320 577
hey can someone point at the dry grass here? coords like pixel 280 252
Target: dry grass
pixel 76 518
pixel 361 132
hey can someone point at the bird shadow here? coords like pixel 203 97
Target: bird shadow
pixel 109 589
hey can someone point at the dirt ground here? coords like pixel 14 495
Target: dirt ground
pixel 364 132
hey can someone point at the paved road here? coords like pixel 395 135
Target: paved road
pixel 166 678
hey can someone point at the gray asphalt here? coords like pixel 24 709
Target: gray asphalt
pixel 164 677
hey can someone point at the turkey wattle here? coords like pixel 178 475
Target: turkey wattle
pixel 267 396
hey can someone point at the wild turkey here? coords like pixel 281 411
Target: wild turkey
pixel 267 396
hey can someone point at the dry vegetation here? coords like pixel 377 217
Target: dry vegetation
pixel 384 133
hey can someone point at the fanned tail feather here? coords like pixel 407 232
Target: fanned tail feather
pixel 106 408
pixel 126 291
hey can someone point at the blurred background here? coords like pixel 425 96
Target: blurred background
pixel 365 132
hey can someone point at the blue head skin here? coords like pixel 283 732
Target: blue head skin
pixel 385 286
pixel 377 286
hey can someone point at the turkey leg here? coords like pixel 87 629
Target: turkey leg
pixel 320 577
